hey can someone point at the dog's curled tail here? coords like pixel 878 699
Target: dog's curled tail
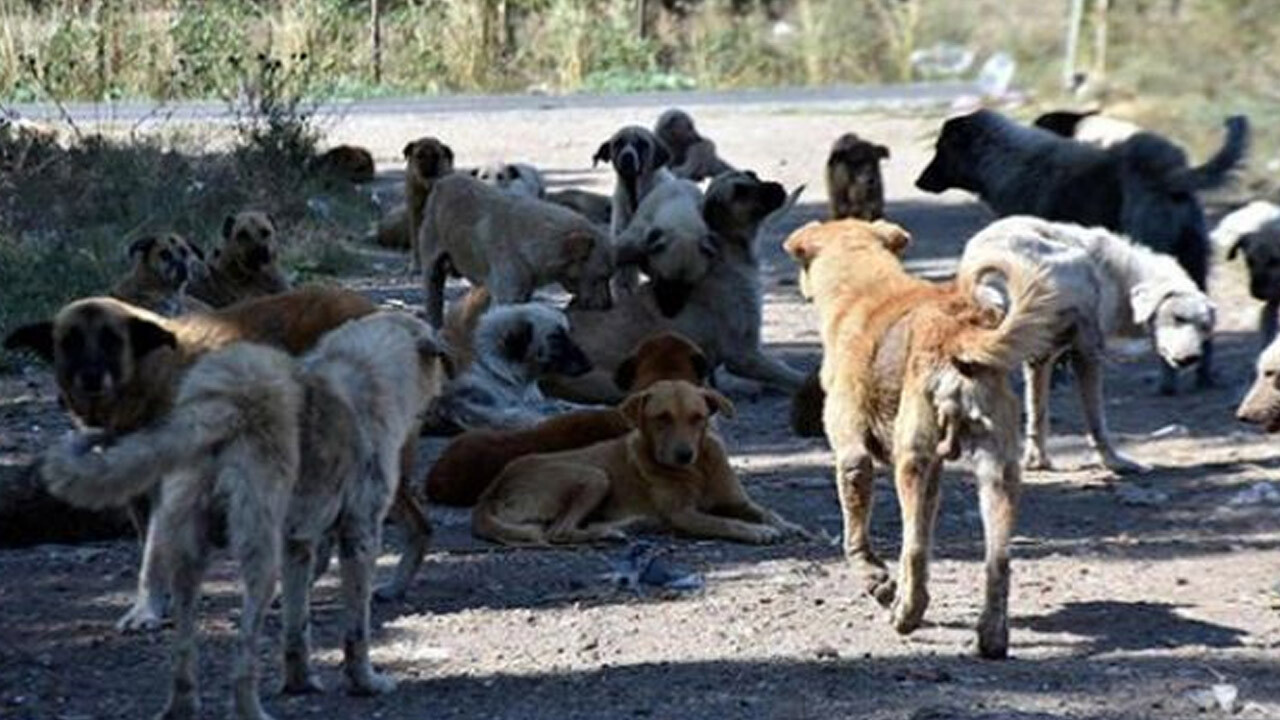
pixel 243 391
pixel 1216 171
pixel 460 322
pixel 1029 300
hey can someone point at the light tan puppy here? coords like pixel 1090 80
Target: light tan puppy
pixel 511 245
pixel 916 372
pixel 157 280
pixel 671 471
pixel 293 452
pixel 426 161
pixel 515 178
pixel 244 266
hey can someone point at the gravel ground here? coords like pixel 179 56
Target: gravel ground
pixel 1131 598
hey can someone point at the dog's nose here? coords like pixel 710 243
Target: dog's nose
pixel 684 455
pixel 1186 361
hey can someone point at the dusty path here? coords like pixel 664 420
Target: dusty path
pixel 1128 596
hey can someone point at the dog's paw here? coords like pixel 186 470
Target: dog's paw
pixel 766 535
pixel 882 588
pixel 1033 459
pixel 143 617
pixel 1121 465
pixel 993 637
pixel 371 683
pixel 908 612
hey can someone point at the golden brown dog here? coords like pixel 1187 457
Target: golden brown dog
pixel 426 160
pixel 855 188
pixel 473 459
pixel 349 162
pixel 157 280
pixel 244 266
pixel 671 471
pixel 118 368
pixel 915 372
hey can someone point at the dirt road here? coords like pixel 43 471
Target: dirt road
pixel 1131 598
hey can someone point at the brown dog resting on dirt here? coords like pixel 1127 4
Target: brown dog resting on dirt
pixel 671 472
pixel 473 459
pixel 916 372
pixel 244 266
pixel 162 265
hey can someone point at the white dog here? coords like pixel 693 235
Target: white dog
pixel 1107 287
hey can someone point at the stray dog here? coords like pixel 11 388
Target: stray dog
pixel 392 229
pixel 1141 187
pixel 157 280
pixel 671 471
pixel 118 368
pixel 244 266
pixel 512 347
pixel 511 245
pixel 1088 127
pixel 723 313
pixel 1261 406
pixel 426 161
pixel 639 162
pixel 1255 231
pixel 1106 287
pixel 855 188
pixel 515 178
pixel 915 372
pixel 693 157
pixel 348 162
pixel 292 451
pixel 669 240
pixel 595 207
pixel 472 460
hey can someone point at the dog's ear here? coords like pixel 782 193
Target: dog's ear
pixel 625 374
pixel 516 342
pixel 717 403
pixel 408 149
pixel 447 153
pixel 701 366
pixel 1145 298
pixel 604 153
pixel 881 152
pixel 799 244
pixel 146 336
pixel 36 337
pixel 633 408
pixel 661 153
pixel 1239 245
pixel 228 224
pixel 271 222
pixel 772 196
pixel 892 236
pixel 141 246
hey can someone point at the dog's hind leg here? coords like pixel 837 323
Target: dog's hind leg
pixel 417 530
pixel 178 534
pixel 1037 377
pixel 999 484
pixel 580 498
pixel 434 276
pixel 1084 362
pixel 854 484
pixel 917 481
pixel 257 540
pixel 298 571
pixel 358 543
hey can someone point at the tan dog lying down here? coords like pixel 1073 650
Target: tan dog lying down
pixel 916 372
pixel 1261 406
pixel 671 471
pixel 511 245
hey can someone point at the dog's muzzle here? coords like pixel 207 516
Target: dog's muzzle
pixel 932 180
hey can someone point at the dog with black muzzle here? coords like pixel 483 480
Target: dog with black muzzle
pixel 855 188
pixel 639 161
pixel 244 266
pixel 511 348
pixel 157 280
pixel 1255 231
pixel 669 241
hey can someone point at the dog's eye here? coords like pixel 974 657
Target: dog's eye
pixel 664 418
pixel 697 419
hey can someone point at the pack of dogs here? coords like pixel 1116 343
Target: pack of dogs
pixel 225 407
